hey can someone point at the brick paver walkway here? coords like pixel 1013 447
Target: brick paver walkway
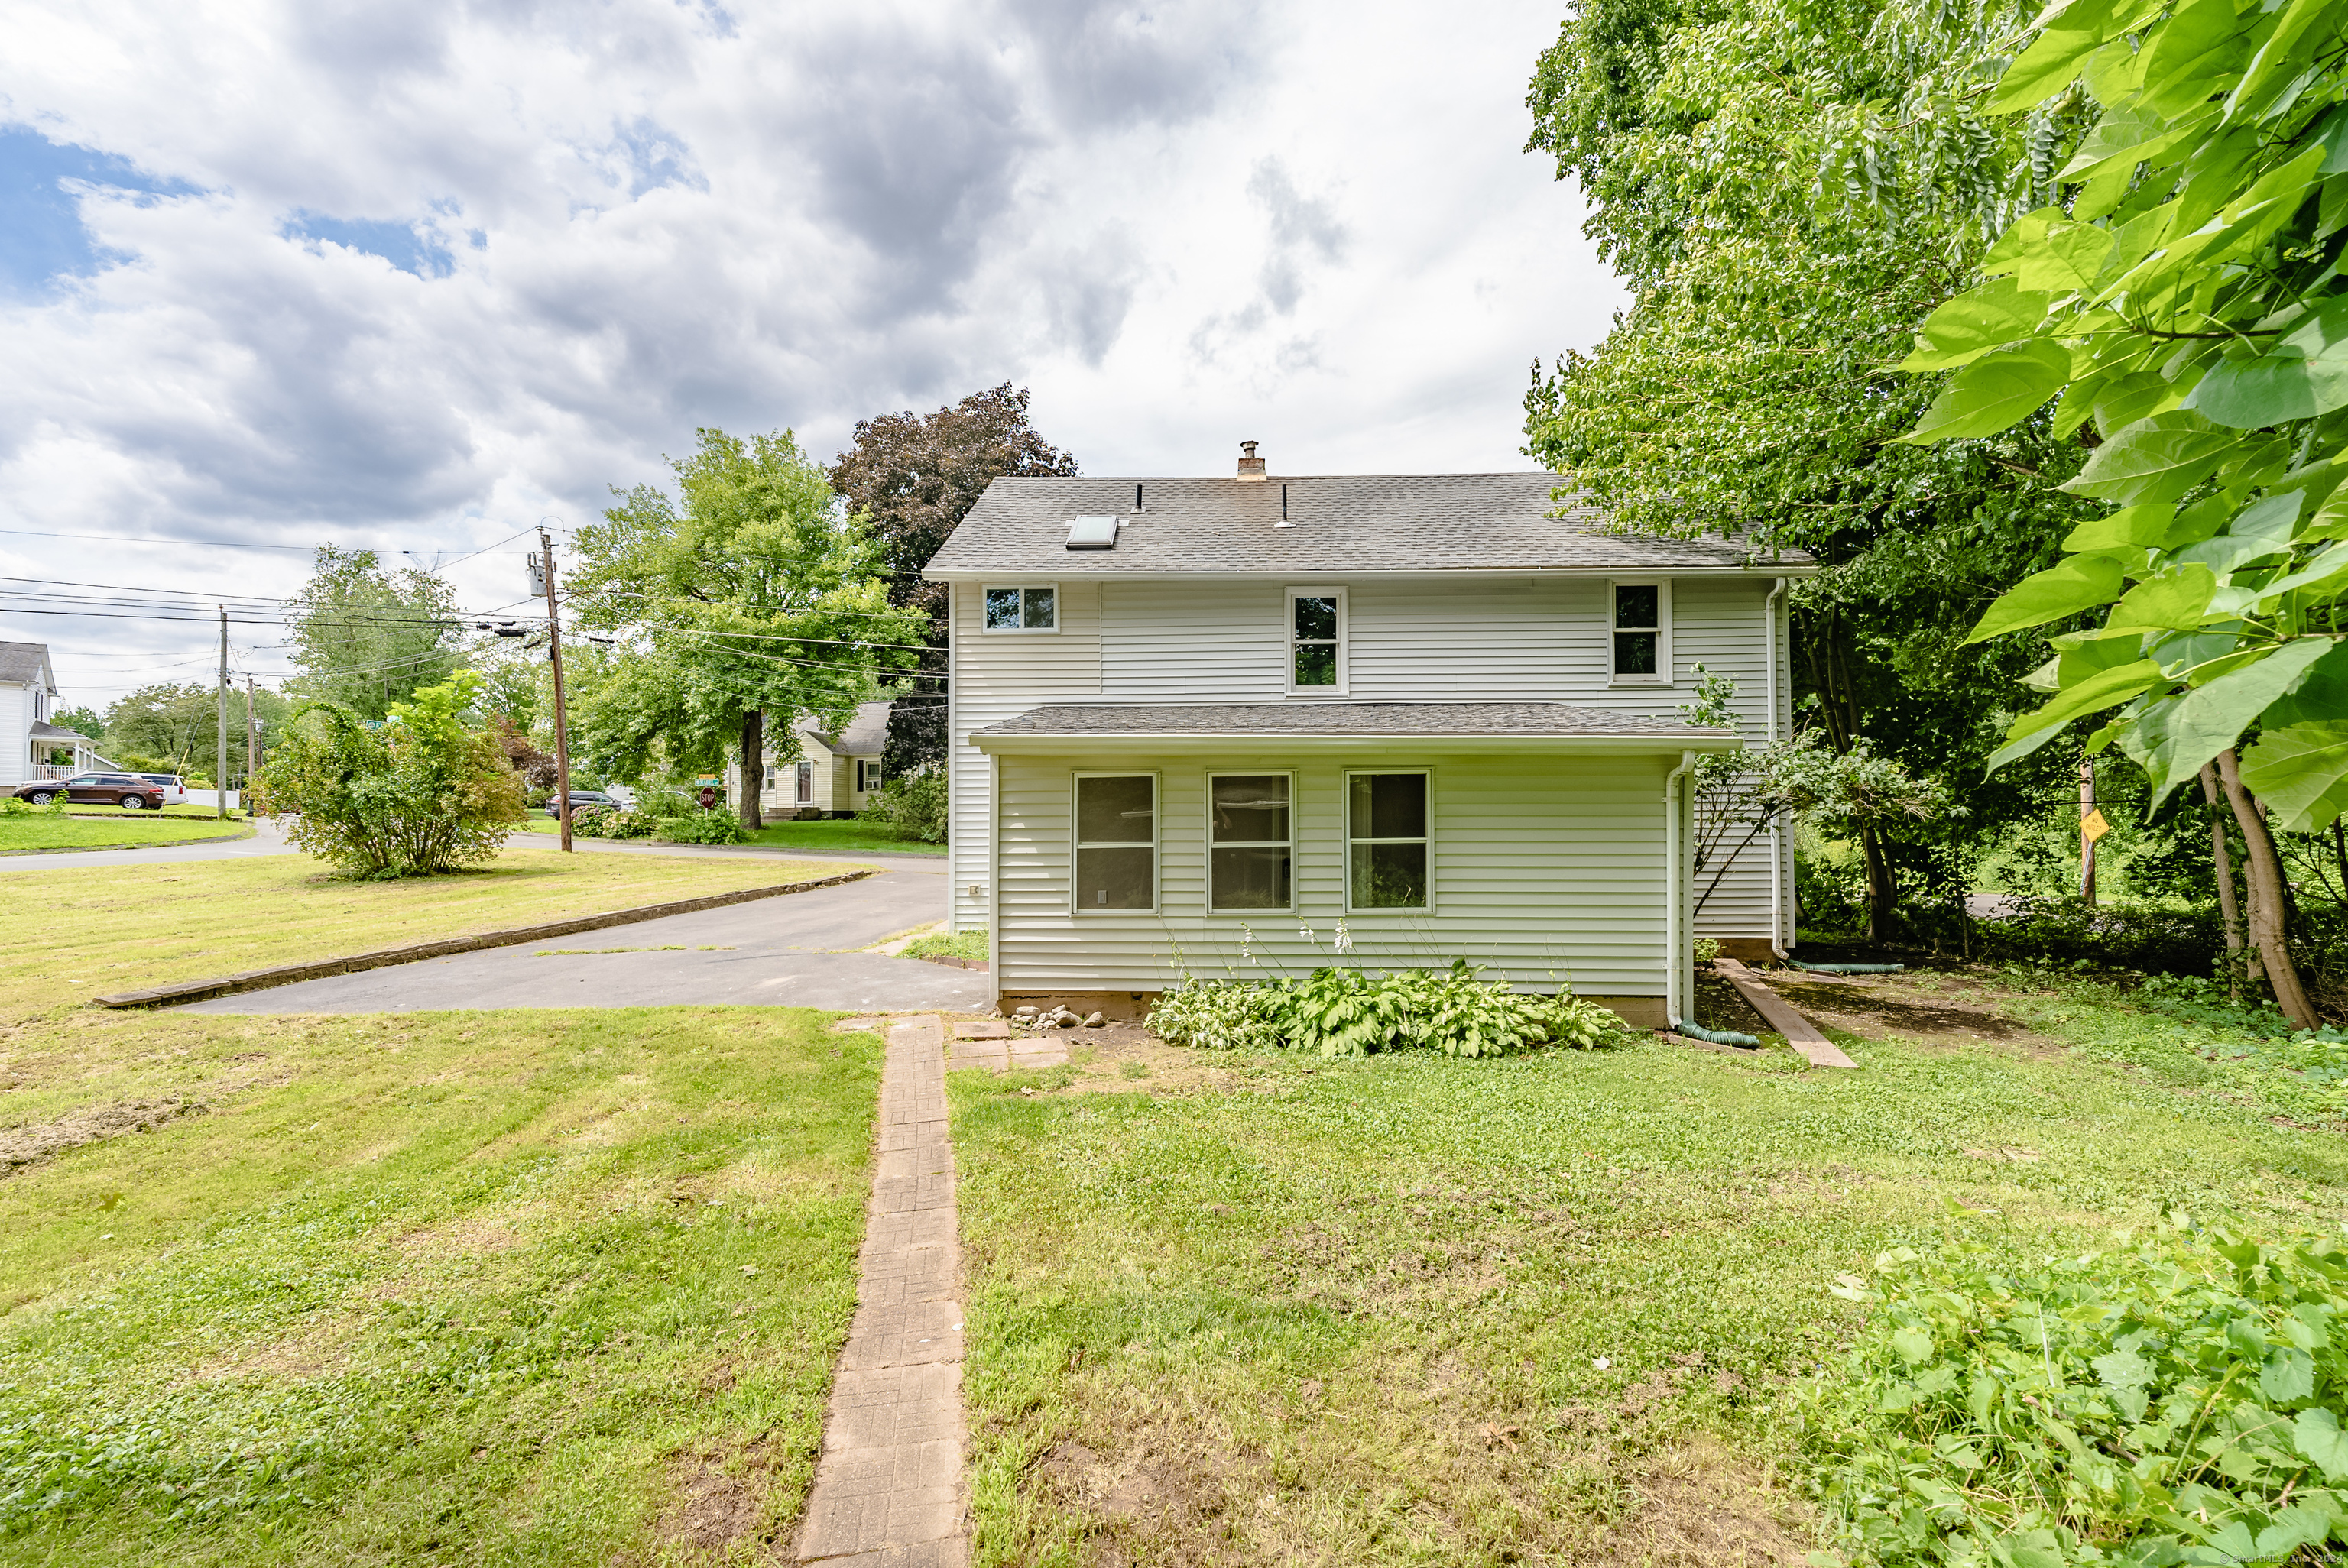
pixel 889 1485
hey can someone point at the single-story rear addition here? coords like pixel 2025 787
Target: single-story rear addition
pixel 1199 726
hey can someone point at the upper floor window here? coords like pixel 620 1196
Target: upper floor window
pixel 1316 639
pixel 867 776
pixel 1023 610
pixel 1642 633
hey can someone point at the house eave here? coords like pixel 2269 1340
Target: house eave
pixel 1092 744
pixel 1090 569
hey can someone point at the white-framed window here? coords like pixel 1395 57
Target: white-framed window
pixel 1638 633
pixel 867 774
pixel 1389 851
pixel 1027 607
pixel 1113 864
pixel 806 793
pixel 1251 841
pixel 1316 641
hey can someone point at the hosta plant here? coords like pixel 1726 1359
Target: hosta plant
pixel 1357 1012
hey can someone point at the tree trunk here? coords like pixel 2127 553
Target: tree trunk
pixel 754 768
pixel 1878 884
pixel 2268 899
pixel 2229 909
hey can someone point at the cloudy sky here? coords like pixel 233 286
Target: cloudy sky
pixel 415 276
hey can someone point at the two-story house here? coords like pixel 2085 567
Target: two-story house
pixel 28 696
pixel 1197 723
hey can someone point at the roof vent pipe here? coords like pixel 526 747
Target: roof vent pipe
pixel 1251 465
pixel 1283 522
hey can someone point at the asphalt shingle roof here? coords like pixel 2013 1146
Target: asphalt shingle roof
pixel 1340 523
pixel 1341 719
pixel 20 663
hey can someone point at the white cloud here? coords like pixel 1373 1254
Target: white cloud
pixel 1309 225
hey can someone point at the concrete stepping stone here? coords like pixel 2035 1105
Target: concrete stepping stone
pixel 982 1029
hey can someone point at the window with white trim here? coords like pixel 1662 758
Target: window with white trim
pixel 804 794
pixel 1640 636
pixel 1115 851
pixel 1387 844
pixel 1251 847
pixel 1027 608
pixel 1316 639
pixel 868 775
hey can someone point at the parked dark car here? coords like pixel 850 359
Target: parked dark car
pixel 583 798
pixel 129 791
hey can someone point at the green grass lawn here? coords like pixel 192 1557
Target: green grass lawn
pixel 1416 1310
pixel 514 1287
pixel 850 833
pixel 119 928
pixel 953 945
pixel 40 830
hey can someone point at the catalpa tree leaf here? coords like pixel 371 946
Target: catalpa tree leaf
pixel 2301 375
pixel 2081 582
pixel 2045 251
pixel 1975 322
pixel 2154 460
pixel 2301 772
pixel 2180 734
pixel 2176 600
pixel 2093 694
pixel 2000 389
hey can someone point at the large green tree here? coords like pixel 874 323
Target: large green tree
pixel 1786 187
pixel 2179 293
pixel 750 598
pixel 914 476
pixel 176 726
pixel 364 638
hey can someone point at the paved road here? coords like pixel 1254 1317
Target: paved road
pixel 266 840
pixel 797 950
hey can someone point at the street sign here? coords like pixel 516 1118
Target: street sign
pixel 708 800
pixel 2093 825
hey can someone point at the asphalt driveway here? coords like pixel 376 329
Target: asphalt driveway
pixel 796 950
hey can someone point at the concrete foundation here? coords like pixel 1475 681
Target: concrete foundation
pixel 1133 1007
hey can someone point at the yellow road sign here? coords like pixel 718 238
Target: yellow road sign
pixel 2093 826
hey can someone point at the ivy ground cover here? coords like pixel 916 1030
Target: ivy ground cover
pixel 1547 1308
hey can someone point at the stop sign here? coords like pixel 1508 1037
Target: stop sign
pixel 708 799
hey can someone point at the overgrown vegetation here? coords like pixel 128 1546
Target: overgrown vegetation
pixel 2172 1399
pixel 1359 1012
pixel 912 804
pixel 423 792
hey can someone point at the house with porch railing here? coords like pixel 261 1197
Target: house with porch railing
pixel 28 696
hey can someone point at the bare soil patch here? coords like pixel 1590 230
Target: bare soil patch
pixel 1696 1508
pixel 714 1514
pixel 24 1146
pixel 1919 1012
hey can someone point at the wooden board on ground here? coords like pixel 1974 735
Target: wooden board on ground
pixel 1800 1033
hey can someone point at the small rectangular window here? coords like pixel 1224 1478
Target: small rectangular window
pixel 1251 853
pixel 1385 841
pixel 1022 609
pixel 1316 639
pixel 1115 860
pixel 867 776
pixel 1638 631
pixel 806 796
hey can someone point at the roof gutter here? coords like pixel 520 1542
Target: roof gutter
pixel 1093 566
pixel 1678 948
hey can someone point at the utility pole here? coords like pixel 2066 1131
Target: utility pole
pixel 2092 826
pixel 219 770
pixel 543 565
pixel 252 741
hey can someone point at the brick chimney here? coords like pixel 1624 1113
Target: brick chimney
pixel 1251 465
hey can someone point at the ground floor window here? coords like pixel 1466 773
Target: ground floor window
pixel 1250 854
pixel 806 796
pixel 1385 840
pixel 1117 841
pixel 867 776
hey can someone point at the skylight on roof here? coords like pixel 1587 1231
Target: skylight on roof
pixel 1092 533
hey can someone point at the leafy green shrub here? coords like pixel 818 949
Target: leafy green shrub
pixel 612 822
pixel 420 794
pixel 720 826
pixel 1355 1012
pixel 2175 1400
pixel 913 804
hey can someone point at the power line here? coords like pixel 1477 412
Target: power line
pixel 239 544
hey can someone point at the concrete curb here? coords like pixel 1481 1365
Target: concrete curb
pixel 151 844
pixel 384 957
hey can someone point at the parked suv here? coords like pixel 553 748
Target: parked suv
pixel 131 792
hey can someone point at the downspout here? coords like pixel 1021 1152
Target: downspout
pixel 1769 734
pixel 1671 933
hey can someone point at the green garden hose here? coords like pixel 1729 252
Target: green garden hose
pixel 1848 968
pixel 1716 1036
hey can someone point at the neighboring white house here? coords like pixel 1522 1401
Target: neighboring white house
pixel 1191 720
pixel 837 772
pixel 28 696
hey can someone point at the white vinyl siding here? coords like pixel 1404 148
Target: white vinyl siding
pixel 1496 638
pixel 15 734
pixel 992 679
pixel 1547 868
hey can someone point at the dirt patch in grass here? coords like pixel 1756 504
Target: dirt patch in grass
pixel 1151 1500
pixel 713 1511
pixel 24 1146
pixel 1922 1016
pixel 1697 1508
